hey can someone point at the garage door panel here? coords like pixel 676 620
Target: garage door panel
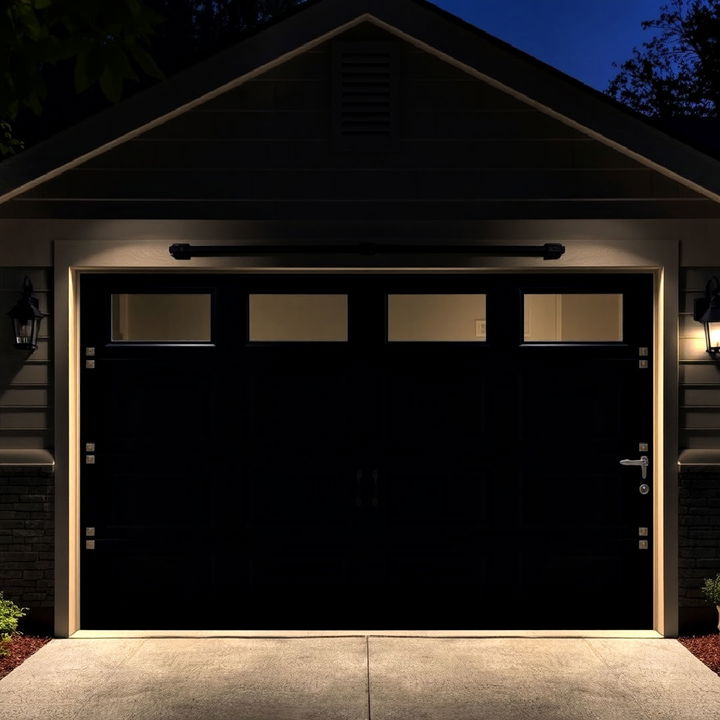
pixel 583 402
pixel 589 564
pixel 423 489
pixel 137 396
pixel 440 408
pixel 301 564
pixel 361 481
pixel 467 558
pixel 435 568
pixel 564 497
pixel 435 494
pixel 289 412
pixel 141 588
pixel 160 499
pixel 310 492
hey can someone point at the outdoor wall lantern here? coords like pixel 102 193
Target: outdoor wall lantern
pixel 707 311
pixel 26 317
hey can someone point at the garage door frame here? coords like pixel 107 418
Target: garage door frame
pixel 75 257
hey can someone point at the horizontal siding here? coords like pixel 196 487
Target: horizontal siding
pixel 700 395
pixel 256 125
pixel 296 94
pixel 700 440
pixel 695 279
pixel 265 150
pixel 264 93
pixel 704 418
pixel 692 349
pixel 688 328
pixel 29 374
pixel 40 356
pixel 25 380
pixel 277 154
pixel 25 441
pixel 315 124
pixel 17 419
pixel 354 184
pixel 23 397
pixel 702 374
pixel 9 297
pixel 386 211
pixel 699 376
pixel 11 280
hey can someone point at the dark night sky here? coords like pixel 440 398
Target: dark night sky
pixel 580 37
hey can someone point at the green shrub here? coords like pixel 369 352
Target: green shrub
pixel 10 613
pixel 711 590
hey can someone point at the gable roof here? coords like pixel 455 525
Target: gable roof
pixel 415 21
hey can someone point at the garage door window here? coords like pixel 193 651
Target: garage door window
pixel 573 318
pixel 298 318
pixel 161 317
pixel 436 318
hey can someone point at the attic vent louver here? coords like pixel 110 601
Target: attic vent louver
pixel 364 90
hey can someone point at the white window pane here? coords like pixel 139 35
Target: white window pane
pixel 436 318
pixel 161 317
pixel 298 318
pixel 569 317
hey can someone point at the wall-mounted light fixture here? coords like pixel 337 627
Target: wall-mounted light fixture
pixel 26 317
pixel 707 311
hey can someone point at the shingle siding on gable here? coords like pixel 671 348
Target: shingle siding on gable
pixel 266 150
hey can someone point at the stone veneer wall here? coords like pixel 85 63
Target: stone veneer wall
pixel 699 538
pixel 27 542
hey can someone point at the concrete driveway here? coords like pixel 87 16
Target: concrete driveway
pixel 361 678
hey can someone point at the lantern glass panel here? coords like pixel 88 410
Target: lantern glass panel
pixel 713 335
pixel 26 332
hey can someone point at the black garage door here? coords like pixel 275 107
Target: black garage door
pixel 366 452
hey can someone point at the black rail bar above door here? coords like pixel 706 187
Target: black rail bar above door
pixel 548 251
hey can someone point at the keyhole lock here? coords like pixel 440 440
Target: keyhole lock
pixel 644 489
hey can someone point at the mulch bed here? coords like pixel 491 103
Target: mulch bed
pixel 21 648
pixel 705 648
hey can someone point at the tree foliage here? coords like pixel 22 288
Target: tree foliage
pixel 50 47
pixel 106 42
pixel 10 614
pixel 194 29
pixel 677 72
